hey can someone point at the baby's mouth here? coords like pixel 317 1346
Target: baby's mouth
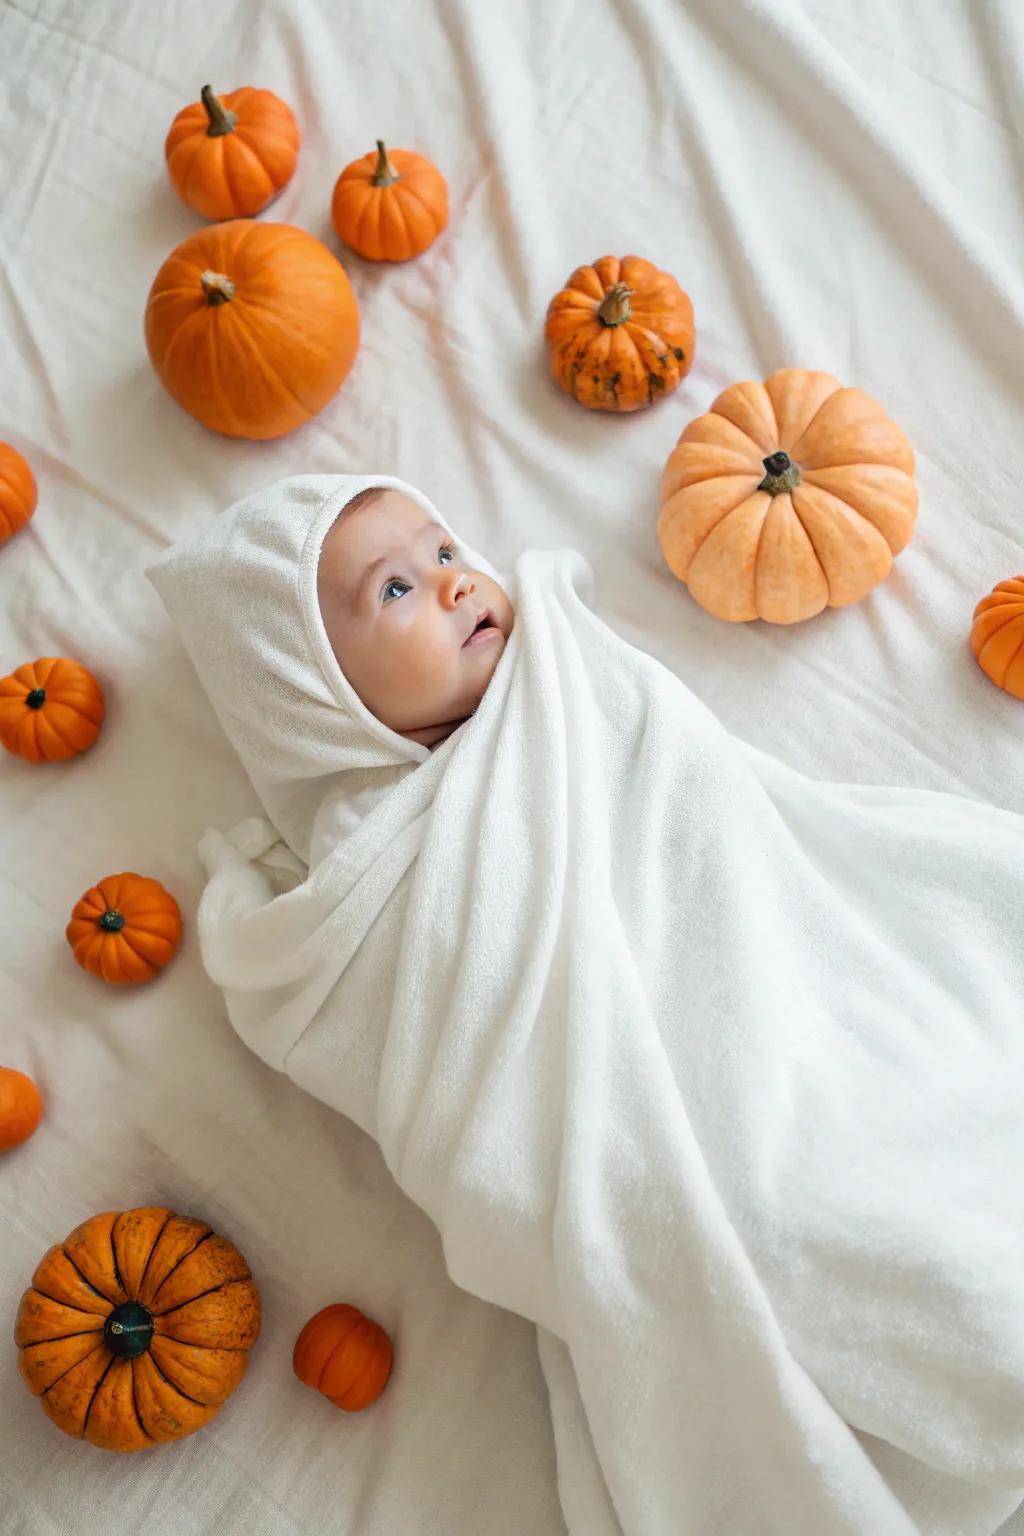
pixel 483 625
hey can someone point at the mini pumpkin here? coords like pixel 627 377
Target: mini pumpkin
pixel 18 494
pixel 344 1355
pixel 21 1108
pixel 50 710
pixel 125 929
pixel 620 334
pixel 252 327
pixel 137 1328
pixel 230 156
pixel 390 206
pixel 788 497
pixel 997 635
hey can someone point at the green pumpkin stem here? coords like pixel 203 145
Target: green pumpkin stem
pixel 112 921
pixel 384 174
pixel 217 288
pixel 782 474
pixel 221 120
pixel 128 1330
pixel 614 308
pixel 36 699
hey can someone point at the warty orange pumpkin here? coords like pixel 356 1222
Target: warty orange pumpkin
pixel 786 498
pixel 252 327
pixel 125 930
pixel 137 1328
pixel 230 156
pixel 997 635
pixel 21 1108
pixel 620 334
pixel 50 710
pixel 345 1356
pixel 18 494
pixel 390 206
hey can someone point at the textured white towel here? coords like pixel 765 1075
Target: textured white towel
pixel 711 1071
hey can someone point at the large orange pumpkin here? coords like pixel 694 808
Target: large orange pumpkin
pixel 390 206
pixel 50 710
pixel 619 334
pixel 230 156
pixel 18 494
pixel 786 498
pixel 344 1355
pixel 137 1328
pixel 252 327
pixel 21 1108
pixel 997 635
pixel 125 929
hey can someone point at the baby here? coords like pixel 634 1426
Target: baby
pixel 416 631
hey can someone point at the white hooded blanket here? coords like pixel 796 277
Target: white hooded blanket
pixel 712 1071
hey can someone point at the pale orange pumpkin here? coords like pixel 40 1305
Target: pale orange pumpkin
pixel 18 494
pixel 390 206
pixel 50 710
pixel 252 327
pixel 21 1108
pixel 786 498
pixel 997 635
pixel 230 156
pixel 125 930
pixel 345 1356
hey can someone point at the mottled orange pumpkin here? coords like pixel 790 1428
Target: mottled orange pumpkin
pixel 137 1328
pixel 18 494
pixel 21 1108
pixel 997 635
pixel 788 497
pixel 230 156
pixel 390 206
pixel 50 710
pixel 619 334
pixel 344 1355
pixel 125 929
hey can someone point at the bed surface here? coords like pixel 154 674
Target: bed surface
pixel 837 187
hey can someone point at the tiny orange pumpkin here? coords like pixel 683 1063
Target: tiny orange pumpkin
pixel 18 494
pixel 230 156
pixel 997 635
pixel 619 334
pixel 21 1108
pixel 344 1355
pixel 390 206
pixel 137 1328
pixel 125 929
pixel 50 710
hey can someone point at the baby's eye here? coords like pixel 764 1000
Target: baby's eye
pixel 446 554
pixel 394 589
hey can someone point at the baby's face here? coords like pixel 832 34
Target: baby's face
pixel 417 633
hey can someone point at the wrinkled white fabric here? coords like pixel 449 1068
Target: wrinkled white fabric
pixel 709 1070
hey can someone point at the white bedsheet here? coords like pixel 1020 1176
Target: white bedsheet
pixel 836 187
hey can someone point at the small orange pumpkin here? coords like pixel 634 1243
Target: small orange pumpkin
pixel 125 929
pixel 252 327
pixel 390 206
pixel 230 156
pixel 345 1356
pixel 788 497
pixel 619 334
pixel 50 710
pixel 997 636
pixel 18 494
pixel 21 1108
pixel 137 1328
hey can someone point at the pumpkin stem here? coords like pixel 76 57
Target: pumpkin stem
pixel 384 172
pixel 112 921
pixel 782 474
pixel 128 1330
pixel 221 120
pixel 217 289
pixel 614 308
pixel 36 699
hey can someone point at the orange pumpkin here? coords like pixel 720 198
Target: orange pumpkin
pixel 230 156
pixel 21 1108
pixel 125 929
pixel 18 494
pixel 788 497
pixel 50 710
pixel 390 206
pixel 252 327
pixel 997 635
pixel 137 1328
pixel 345 1356
pixel 620 334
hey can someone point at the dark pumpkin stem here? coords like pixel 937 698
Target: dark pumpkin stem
pixel 217 288
pixel 36 699
pixel 112 921
pixel 128 1330
pixel 781 474
pixel 384 172
pixel 221 120
pixel 614 308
